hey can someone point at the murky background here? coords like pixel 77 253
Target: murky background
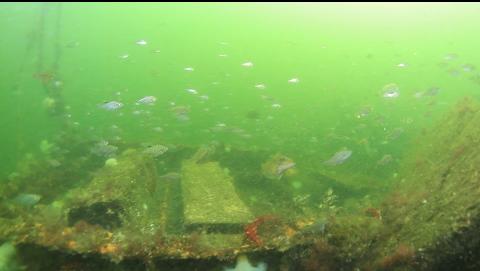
pixel 340 89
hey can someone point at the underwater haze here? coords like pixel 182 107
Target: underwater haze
pixel 342 55
pixel 298 104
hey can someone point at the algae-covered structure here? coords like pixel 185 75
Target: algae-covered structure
pixel 199 206
pixel 239 137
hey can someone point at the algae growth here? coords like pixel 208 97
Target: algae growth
pixel 237 136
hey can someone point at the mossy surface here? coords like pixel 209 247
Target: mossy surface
pixel 126 215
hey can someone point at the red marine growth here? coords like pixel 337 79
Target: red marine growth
pixel 251 230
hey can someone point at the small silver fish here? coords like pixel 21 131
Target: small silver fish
pixel 260 86
pixel 432 91
pixel 182 117
pixel 338 158
pixel 316 228
pixel 468 67
pixel 192 91
pixel 112 105
pixel 453 72
pixel 450 56
pixel 171 176
pixel 391 91
pixel 284 167
pixel 57 84
pixel 395 133
pixel 54 163
pixel 149 100
pixel 387 158
pixel 181 112
pixel 364 112
pixel 72 44
pixel 293 81
pixel 104 149
pixel 418 94
pixel 141 42
pixel 27 200
pixel 155 150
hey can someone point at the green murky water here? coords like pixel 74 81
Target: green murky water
pixel 352 84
